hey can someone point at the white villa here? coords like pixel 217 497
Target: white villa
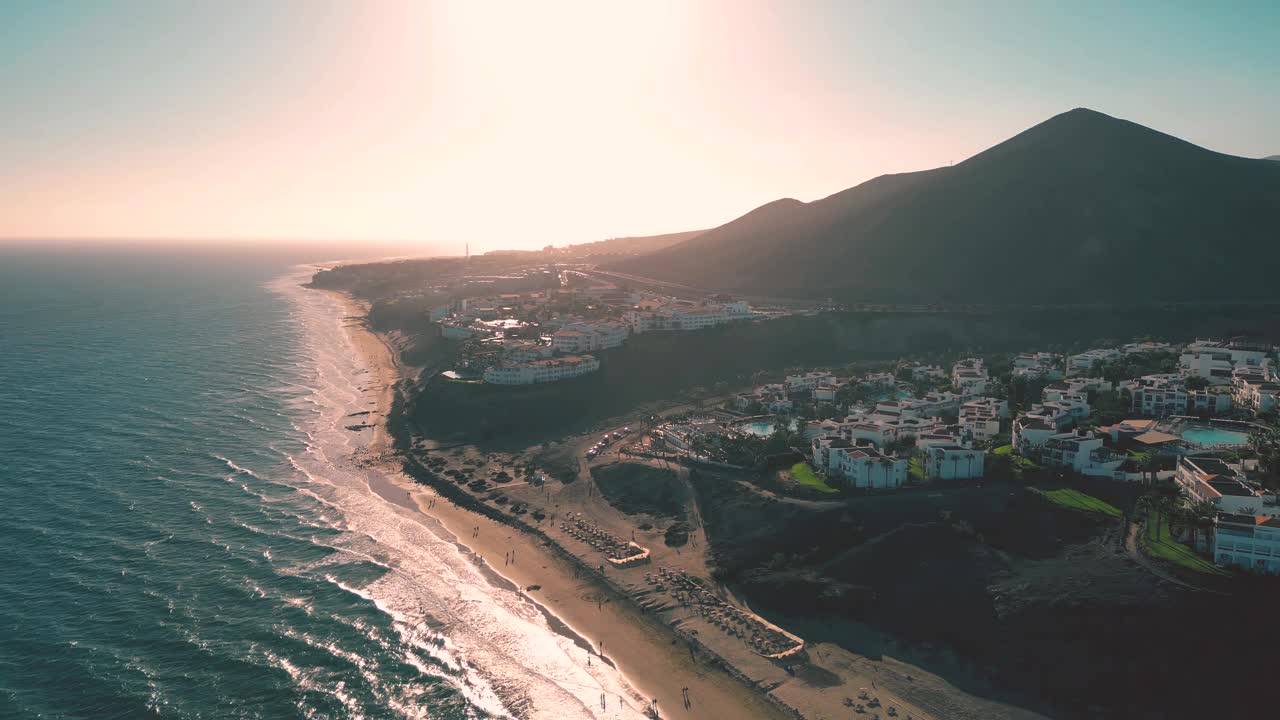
pixel 860 465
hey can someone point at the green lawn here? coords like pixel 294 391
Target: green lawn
pixel 1077 500
pixel 805 476
pixel 1024 463
pixel 1003 450
pixel 1165 547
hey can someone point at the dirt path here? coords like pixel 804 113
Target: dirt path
pixel 1135 553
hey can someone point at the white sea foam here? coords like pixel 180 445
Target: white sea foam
pixel 498 648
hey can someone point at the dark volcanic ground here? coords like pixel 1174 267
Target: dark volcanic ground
pixel 1004 594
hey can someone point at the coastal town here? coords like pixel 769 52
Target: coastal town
pixel 553 334
pixel 692 360
pixel 1188 423
pixel 1168 448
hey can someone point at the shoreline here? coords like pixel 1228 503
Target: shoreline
pixel 655 654
pixel 608 626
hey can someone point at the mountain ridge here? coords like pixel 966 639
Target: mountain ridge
pixel 1084 198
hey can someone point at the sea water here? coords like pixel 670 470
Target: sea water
pixel 186 530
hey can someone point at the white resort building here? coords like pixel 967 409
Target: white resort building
pixel 685 317
pixel 808 382
pixel 1213 481
pixel 541 371
pixel 1249 542
pixel 1091 359
pixel 860 465
pixel 583 337
pixel 950 461
pixel 970 376
pixel 980 419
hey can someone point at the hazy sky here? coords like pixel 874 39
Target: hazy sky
pixel 522 123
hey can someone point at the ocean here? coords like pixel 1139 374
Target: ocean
pixel 186 532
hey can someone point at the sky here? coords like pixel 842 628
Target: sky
pixel 519 124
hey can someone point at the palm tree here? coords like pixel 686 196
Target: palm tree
pixel 1201 516
pixel 970 457
pixel 1142 508
pixel 1151 464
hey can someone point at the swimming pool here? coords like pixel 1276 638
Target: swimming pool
pixel 763 428
pixel 1207 436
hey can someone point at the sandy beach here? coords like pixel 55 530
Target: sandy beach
pixel 654 660
pixel 651 658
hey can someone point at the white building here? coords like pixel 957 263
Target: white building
pixel 1161 395
pixel 816 428
pixel 1255 389
pixel 772 398
pixel 926 372
pixel 879 380
pixel 1058 414
pixel 671 316
pixel 1073 386
pixel 460 330
pixel 1215 367
pixel 1238 353
pixel 980 419
pixel 827 391
pixel 807 382
pixel 584 337
pixel 541 371
pixel 522 351
pixel 1030 434
pixel 1091 359
pixel 950 461
pixel 574 342
pixel 970 376
pixel 1036 365
pixel 860 465
pixel 1147 348
pixel 1214 481
pixel 1249 542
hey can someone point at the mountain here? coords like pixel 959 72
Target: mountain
pixel 636 244
pixel 1083 207
pixel 1272 157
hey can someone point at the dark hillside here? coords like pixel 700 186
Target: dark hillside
pixel 1083 207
